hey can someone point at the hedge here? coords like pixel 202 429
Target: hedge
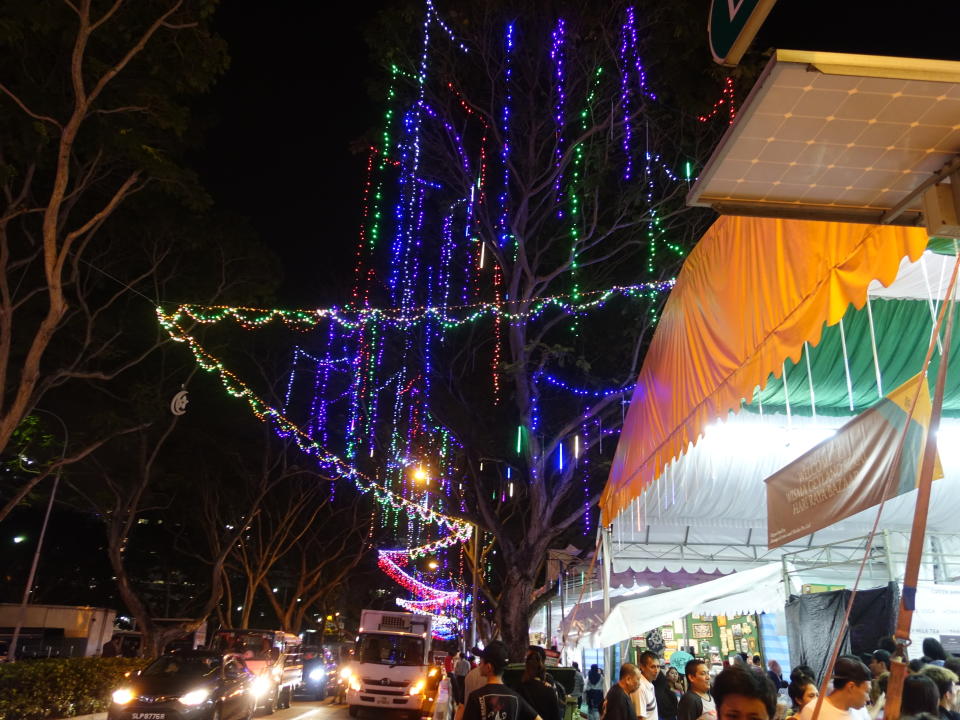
pixel 60 687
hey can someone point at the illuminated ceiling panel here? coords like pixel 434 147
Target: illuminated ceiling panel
pixel 835 136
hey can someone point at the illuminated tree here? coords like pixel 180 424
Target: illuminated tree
pixel 555 165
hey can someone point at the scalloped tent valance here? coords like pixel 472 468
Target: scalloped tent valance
pixel 749 296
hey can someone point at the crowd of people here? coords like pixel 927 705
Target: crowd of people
pixel 744 690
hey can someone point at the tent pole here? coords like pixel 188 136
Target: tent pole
pixel 873 346
pixel 894 690
pixel 891 573
pixel 898 669
pixel 846 364
pixel 606 532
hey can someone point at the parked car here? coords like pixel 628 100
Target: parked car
pixel 187 685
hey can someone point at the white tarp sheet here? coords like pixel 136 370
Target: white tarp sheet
pixel 756 590
pixel 713 500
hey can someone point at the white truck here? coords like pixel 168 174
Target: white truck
pixel 391 664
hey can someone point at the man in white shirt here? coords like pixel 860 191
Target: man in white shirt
pixel 851 690
pixel 645 697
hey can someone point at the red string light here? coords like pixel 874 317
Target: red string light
pixel 390 561
pixel 726 98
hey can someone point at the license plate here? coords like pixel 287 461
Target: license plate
pixel 147 716
pixel 383 701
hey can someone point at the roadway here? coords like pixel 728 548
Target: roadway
pixel 326 710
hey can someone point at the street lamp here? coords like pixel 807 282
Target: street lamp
pixel 12 652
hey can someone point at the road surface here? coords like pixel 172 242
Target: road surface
pixel 326 710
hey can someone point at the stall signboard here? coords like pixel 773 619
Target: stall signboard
pixel 732 27
pixel 853 470
pixel 938 614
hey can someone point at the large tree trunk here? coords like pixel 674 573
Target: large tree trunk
pixel 513 613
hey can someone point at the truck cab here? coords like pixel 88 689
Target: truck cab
pixel 273 656
pixel 391 664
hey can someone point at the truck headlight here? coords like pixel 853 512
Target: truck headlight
pixel 123 696
pixel 417 687
pixel 346 673
pixel 354 682
pixel 195 697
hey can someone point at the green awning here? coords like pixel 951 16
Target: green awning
pixel 902 329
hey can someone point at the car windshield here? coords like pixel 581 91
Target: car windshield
pixel 248 645
pixel 390 649
pixel 179 666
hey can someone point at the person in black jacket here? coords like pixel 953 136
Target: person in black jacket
pixel 535 689
pixel 775 673
pixel 666 698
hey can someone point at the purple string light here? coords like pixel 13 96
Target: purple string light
pixel 557 52
pixel 505 130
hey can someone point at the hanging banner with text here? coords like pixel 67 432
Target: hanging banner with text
pixel 851 471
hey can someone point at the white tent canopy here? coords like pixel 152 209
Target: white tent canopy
pixel 707 510
pixel 760 589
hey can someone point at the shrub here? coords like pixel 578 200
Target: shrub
pixel 60 687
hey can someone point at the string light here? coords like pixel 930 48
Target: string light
pixel 358 398
pixel 392 563
pixel 402 318
pixel 557 382
pixel 630 96
pixel 726 98
pixel 557 50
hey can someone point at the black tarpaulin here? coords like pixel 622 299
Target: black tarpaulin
pixel 813 622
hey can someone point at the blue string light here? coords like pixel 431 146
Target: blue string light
pixel 557 382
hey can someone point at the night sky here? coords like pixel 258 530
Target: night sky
pixel 295 101
pixel 289 109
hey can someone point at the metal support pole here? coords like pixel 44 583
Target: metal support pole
pixel 549 609
pixel 12 651
pixel 605 580
pixel 474 611
pixel 911 573
pixel 892 574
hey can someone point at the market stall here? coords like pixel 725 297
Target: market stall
pixel 811 306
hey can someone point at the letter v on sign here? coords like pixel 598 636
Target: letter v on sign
pixel 732 27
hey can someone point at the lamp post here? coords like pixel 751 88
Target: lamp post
pixel 12 651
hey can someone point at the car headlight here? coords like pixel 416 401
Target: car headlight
pixel 195 697
pixel 123 696
pixel 316 674
pixel 417 687
pixel 260 686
